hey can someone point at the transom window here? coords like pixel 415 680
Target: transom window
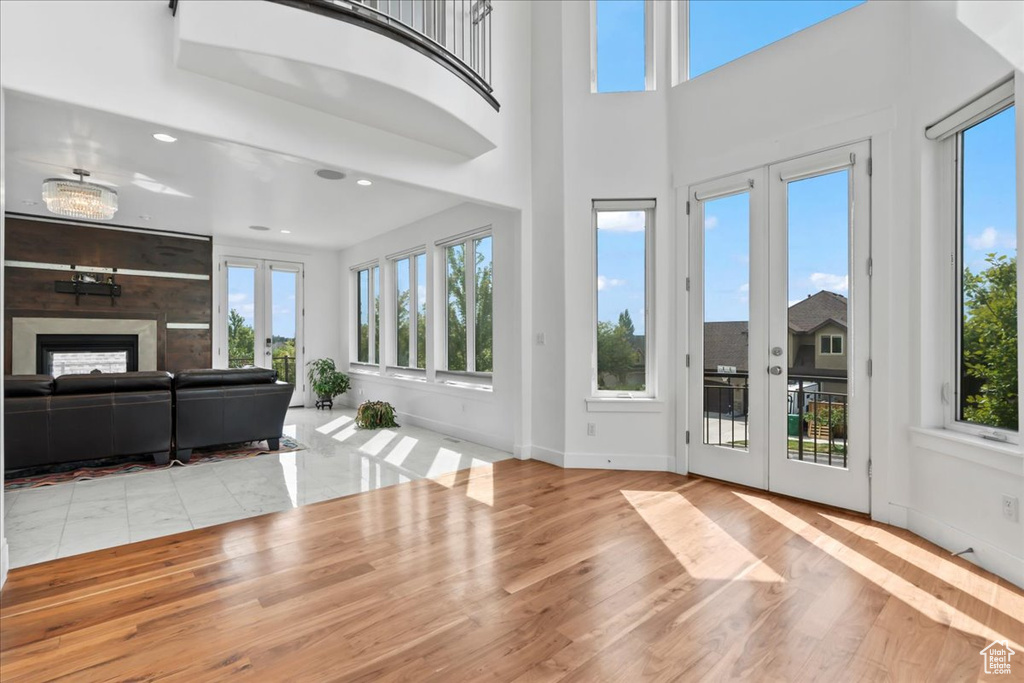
pixel 831 344
pixel 622 45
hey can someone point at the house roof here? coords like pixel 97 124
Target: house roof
pixel 817 310
pixel 726 343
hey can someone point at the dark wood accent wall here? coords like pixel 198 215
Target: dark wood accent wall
pixel 29 292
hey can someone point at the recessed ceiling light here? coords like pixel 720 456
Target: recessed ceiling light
pixel 164 137
pixel 259 228
pixel 364 182
pixel 286 232
pixel 330 174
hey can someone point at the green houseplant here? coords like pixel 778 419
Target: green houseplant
pixel 375 415
pixel 327 381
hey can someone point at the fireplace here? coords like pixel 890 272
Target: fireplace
pixel 68 354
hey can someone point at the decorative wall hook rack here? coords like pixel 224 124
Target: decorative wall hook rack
pixel 90 284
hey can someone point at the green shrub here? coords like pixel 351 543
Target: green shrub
pixel 326 380
pixel 375 415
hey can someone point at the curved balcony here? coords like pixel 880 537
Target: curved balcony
pixel 352 59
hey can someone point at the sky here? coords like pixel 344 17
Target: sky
pixel 989 190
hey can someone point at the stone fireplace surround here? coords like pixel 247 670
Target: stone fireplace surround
pixel 24 331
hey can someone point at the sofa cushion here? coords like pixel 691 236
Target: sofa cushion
pixel 25 386
pixel 194 379
pixel 113 382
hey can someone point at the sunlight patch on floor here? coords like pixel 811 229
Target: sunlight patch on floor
pixel 375 445
pixel 444 461
pixel 290 473
pixel 401 451
pixel 345 433
pixel 336 423
pixel 894 584
pixel 481 482
pixel 717 555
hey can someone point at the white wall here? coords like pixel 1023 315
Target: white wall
pixel 490 417
pixel 320 296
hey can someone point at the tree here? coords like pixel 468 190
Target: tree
pixel 241 340
pixel 402 323
pixel 484 316
pixel 989 344
pixel 456 276
pixel 616 354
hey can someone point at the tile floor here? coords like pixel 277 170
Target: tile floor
pixel 339 460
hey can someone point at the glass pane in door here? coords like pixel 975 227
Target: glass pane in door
pixel 818 339
pixel 241 316
pixel 727 321
pixel 283 319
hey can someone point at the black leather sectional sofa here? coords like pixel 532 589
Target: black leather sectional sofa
pixel 72 418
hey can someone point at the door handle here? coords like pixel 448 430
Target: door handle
pixel 775 370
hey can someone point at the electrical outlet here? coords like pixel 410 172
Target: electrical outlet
pixel 1010 508
pixel 540 339
pixel 591 429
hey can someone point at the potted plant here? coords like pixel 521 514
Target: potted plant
pixel 375 415
pixel 326 380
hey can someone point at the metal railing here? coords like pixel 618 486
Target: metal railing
pixel 817 419
pixel 456 33
pixel 285 366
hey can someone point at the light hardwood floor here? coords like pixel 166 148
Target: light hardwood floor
pixel 520 572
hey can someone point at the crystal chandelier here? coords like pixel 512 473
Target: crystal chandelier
pixel 79 199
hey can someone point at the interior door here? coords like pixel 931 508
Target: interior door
pixel 727 320
pixel 779 301
pixel 819 310
pixel 262 309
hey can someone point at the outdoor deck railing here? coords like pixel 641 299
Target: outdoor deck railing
pixel 285 366
pixel 816 422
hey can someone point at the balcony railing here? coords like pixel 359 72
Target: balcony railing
pixel 455 33
pixel 285 366
pixel 817 419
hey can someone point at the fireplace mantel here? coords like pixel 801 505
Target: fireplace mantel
pixel 24 331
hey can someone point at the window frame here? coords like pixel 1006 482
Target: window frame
pixel 650 60
pixel 373 352
pixel 831 345
pixel 649 208
pixel 949 134
pixel 412 256
pixel 467 240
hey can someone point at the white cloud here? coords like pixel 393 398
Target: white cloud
pixel 621 221
pixel 833 283
pixel 604 283
pixel 990 238
pixel 710 222
pixel 237 297
pixel 745 287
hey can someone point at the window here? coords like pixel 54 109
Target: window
pixel 986 217
pixel 622 46
pixel 718 31
pixel 623 330
pixel 411 311
pixel 831 344
pixel 469 303
pixel 368 315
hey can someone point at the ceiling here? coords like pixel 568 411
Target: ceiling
pixel 199 185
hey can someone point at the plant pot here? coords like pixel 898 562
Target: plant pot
pixel 324 401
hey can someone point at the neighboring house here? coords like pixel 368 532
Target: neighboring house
pixel 817 349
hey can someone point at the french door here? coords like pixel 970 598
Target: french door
pixel 261 311
pixel 779 314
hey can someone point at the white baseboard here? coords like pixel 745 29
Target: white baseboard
pixel 5 561
pixel 985 555
pixel 599 461
pixel 547 455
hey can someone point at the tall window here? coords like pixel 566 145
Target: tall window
pixel 469 276
pixel 411 311
pixel 623 50
pixel 368 315
pixel 720 31
pixel 623 240
pixel 987 237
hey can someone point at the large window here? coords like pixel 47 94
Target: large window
pixel 987 349
pixel 368 315
pixel 469 276
pixel 623 241
pixel 623 48
pixel 720 31
pixel 411 311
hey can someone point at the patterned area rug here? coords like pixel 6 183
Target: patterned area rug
pixel 97 469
